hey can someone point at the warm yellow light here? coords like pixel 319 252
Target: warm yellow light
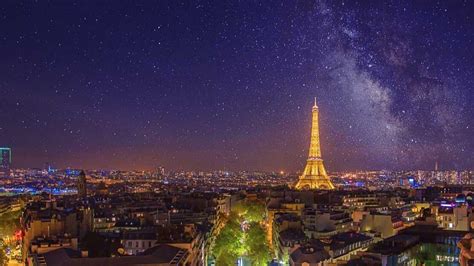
pixel 314 175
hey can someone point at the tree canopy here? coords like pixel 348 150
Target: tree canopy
pixel 258 250
pixel 236 240
pixel 228 246
pixel 252 211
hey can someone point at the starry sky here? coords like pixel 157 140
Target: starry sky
pixel 230 84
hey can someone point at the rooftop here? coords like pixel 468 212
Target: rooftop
pixel 158 255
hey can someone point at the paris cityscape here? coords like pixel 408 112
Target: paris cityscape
pixel 240 133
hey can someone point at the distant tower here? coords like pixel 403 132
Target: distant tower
pixel 436 166
pixel 5 161
pixel 160 171
pixel 81 185
pixel 314 175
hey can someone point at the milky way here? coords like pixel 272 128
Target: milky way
pixel 405 104
pixel 229 85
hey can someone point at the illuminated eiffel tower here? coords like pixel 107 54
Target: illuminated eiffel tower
pixel 314 175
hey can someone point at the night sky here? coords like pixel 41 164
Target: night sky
pixel 230 84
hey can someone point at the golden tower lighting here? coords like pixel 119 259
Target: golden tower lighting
pixel 314 175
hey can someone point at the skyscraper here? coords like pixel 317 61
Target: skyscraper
pixel 81 185
pixel 314 175
pixel 160 171
pixel 5 161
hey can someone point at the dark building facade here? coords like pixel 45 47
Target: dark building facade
pixel 5 161
pixel 81 185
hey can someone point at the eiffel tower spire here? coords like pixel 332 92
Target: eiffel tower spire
pixel 314 175
pixel 314 147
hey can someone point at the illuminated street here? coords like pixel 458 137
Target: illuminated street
pixel 11 236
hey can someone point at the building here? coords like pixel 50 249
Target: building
pixel 81 185
pixel 186 237
pixel 159 255
pixel 48 226
pixel 393 250
pixel 288 234
pixel 276 206
pixel 312 253
pixel 136 242
pixel 383 224
pixel 452 217
pixel 5 161
pixel 325 223
pixel 361 201
pixel 159 172
pixel 314 175
pixel 344 245
pixel 9 204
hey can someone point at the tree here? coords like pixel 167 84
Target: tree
pixel 257 247
pixel 3 257
pixel 252 211
pixel 236 240
pixel 9 222
pixel 286 257
pixel 255 211
pixel 228 246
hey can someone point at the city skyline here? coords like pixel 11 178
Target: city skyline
pixel 230 86
pixel 248 133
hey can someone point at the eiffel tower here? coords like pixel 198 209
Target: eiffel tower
pixel 314 175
